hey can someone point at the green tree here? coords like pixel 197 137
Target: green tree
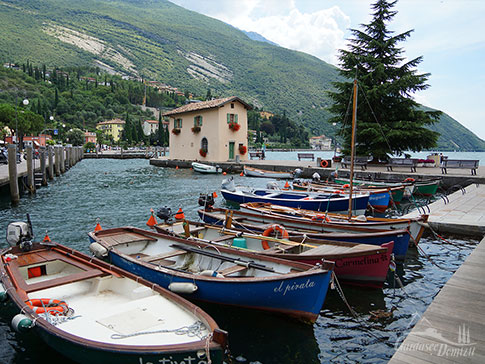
pixel 389 121
pixel 75 137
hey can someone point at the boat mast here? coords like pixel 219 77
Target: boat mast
pixel 352 144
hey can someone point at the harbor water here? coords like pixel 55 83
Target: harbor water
pixel 122 192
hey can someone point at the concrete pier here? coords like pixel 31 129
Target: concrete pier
pixel 452 329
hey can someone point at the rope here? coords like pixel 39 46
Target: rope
pixel 354 314
pixel 193 330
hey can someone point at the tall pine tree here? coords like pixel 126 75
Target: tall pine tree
pixel 389 121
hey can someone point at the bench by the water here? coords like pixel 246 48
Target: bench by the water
pixel 472 164
pixel 255 155
pixel 402 162
pixel 306 156
pixel 358 161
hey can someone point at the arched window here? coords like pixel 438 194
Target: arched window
pixel 204 144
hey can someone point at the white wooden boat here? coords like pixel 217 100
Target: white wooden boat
pixel 94 313
pixel 256 172
pixel 205 168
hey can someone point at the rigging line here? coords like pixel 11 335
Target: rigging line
pixel 377 121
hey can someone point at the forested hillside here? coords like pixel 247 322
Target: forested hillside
pixel 157 40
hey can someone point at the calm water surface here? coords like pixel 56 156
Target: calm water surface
pixel 122 193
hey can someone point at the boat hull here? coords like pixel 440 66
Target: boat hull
pixel 86 354
pixel 400 237
pixel 338 205
pixel 300 297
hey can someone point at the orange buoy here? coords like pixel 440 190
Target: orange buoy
pixel 151 221
pixel 98 227
pixel 241 174
pixel 268 231
pixel 46 238
pixel 179 215
pixel 214 194
pixel 224 173
pixel 287 186
pixel 177 167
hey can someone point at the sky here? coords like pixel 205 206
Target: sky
pixel 449 34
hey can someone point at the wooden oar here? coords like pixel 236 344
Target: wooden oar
pixel 243 263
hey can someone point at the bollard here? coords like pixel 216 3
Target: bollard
pixel 58 161
pixel 61 160
pixel 50 152
pixel 12 173
pixel 30 169
pixel 43 168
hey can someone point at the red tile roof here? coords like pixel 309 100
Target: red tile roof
pixel 205 105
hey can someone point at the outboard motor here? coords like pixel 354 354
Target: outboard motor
pixel 20 234
pixel 228 184
pixel 206 200
pixel 316 176
pixel 164 213
pixel 272 185
pixel 297 172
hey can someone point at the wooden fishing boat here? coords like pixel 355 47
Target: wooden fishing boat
pixel 356 264
pixel 294 227
pixel 256 172
pixel 396 196
pixel 94 313
pixel 379 199
pixel 220 275
pixel 415 225
pixel 205 168
pixel 298 199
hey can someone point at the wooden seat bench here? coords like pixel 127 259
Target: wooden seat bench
pixel 255 155
pixel 402 162
pixel 358 161
pixel 171 254
pixel 472 164
pixel 306 156
pixel 231 270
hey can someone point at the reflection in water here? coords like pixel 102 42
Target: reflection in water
pixel 122 193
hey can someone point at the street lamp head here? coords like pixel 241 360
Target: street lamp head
pixel 25 102
pixel 51 118
pixel 334 124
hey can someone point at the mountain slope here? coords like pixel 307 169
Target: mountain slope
pixel 158 40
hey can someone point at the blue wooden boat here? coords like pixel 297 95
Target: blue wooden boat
pixel 260 223
pixel 298 199
pixel 203 271
pixel 94 313
pixel 378 199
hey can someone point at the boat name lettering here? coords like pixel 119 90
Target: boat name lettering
pixel 294 286
pixel 186 360
pixel 341 263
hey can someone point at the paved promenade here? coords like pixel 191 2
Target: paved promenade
pixel 452 329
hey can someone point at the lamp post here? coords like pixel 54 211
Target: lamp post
pixel 25 102
pixel 334 141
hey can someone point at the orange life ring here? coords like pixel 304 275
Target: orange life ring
pixel 319 217
pixel 52 306
pixel 268 231
pixel 324 163
pixel 409 179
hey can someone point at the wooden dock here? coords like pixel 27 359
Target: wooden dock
pixel 452 329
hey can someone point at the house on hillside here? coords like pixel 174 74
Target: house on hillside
pixel 320 142
pixel 89 137
pixel 112 127
pixel 151 126
pixel 214 130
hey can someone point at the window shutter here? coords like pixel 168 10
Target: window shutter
pixel 195 120
pixel 235 118
pixel 228 118
pixel 200 120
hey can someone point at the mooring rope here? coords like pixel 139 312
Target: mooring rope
pixel 192 330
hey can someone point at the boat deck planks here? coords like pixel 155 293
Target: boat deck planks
pixel 459 305
pixel 125 237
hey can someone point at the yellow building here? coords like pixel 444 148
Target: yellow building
pixel 112 127
pixel 214 130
